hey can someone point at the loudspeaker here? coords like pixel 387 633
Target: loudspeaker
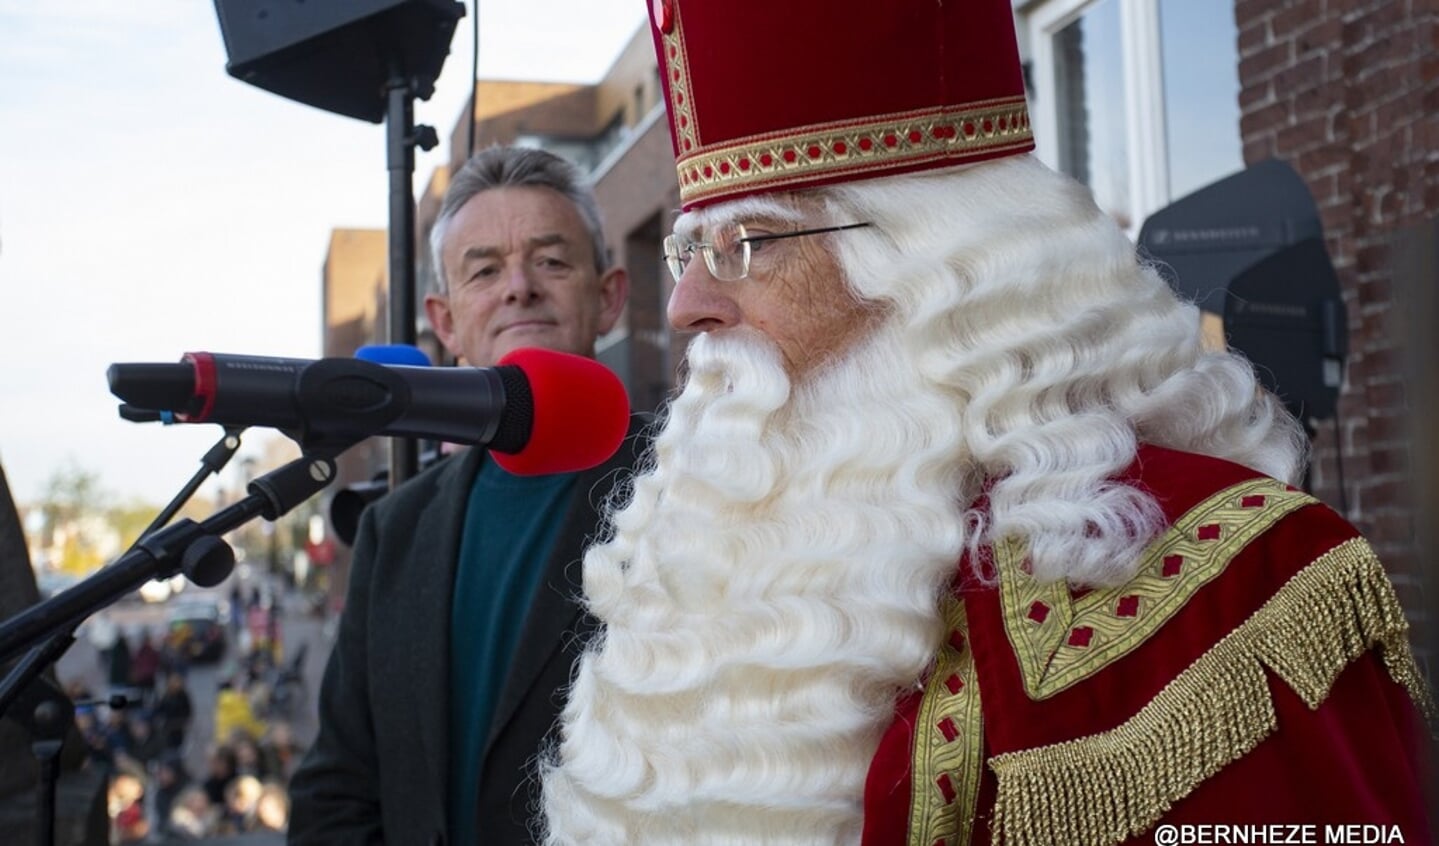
pixel 1208 237
pixel 1286 314
pixel 337 55
pixel 1250 248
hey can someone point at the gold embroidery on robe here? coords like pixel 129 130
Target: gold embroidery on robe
pixel 948 743
pixel 1060 641
pixel 1216 711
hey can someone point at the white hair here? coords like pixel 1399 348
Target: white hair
pixel 1027 307
pixel 769 589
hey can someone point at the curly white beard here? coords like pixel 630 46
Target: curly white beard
pixel 770 588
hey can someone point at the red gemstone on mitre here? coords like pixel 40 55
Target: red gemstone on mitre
pixel 914 136
pixel 766 159
pixel 839 148
pixel 789 155
pixel 744 164
pixel 664 15
pixel 724 167
pixel 890 140
pixel 709 171
pixel 813 151
pixel 865 144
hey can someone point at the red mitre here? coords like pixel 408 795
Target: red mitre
pixel 768 95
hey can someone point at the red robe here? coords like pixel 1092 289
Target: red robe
pixel 1256 670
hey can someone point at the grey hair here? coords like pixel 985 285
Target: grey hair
pixel 509 167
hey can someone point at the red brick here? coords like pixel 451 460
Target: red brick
pixel 1371 258
pixel 1301 136
pixel 1377 290
pixel 1259 149
pixel 1253 37
pixel 1389 460
pixel 1288 22
pixel 1264 62
pixel 1272 116
pixel 1354 32
pixel 1386 429
pixel 1324 34
pixel 1324 188
pixel 1255 95
pixel 1248 11
pixel 1305 74
pixel 1321 159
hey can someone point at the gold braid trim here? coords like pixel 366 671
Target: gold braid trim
pixel 1104 788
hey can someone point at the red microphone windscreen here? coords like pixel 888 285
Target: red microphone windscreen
pixel 581 413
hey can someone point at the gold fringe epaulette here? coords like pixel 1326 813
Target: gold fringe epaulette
pixel 1107 787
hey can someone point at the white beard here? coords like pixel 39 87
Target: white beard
pixel 770 589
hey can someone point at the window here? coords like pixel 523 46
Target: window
pixel 584 153
pixel 1198 49
pixel 1138 99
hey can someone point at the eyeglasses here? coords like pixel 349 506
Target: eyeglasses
pixel 727 253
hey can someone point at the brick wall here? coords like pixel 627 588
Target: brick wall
pixel 1347 92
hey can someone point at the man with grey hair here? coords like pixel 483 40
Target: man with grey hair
pixel 459 630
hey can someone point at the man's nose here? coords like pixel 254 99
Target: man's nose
pixel 520 284
pixel 702 303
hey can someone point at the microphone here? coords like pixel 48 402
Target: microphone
pixel 539 411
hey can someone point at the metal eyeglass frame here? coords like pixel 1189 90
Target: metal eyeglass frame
pixel 677 256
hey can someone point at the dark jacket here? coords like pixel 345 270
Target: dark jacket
pixel 378 770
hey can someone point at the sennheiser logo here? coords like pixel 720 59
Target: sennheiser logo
pixel 1270 309
pixel 1218 233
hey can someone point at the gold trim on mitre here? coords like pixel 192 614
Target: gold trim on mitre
pixel 683 119
pixel 806 154
pixel 1117 784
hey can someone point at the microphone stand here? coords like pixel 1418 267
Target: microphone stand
pixel 401 138
pixel 193 548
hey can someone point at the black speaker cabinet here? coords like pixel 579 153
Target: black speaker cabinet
pixel 337 55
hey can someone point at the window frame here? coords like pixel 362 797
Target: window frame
pixel 1039 21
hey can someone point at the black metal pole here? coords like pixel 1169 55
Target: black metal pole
pixel 400 150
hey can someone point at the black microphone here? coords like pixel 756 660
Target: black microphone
pixel 529 407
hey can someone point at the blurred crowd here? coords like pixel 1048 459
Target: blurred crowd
pixel 141 732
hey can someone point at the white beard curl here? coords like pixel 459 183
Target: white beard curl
pixel 770 589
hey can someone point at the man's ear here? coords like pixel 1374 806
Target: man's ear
pixel 614 292
pixel 437 308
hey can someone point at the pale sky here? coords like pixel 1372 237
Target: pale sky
pixel 152 205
